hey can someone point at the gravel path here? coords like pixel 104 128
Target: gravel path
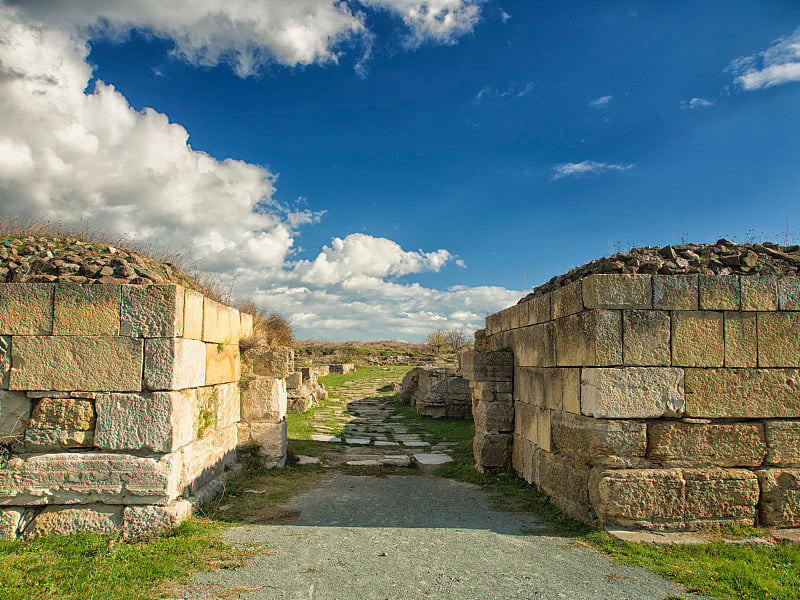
pixel 409 537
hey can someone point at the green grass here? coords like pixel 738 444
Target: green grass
pixel 436 430
pixel 389 372
pixel 81 567
pixel 719 569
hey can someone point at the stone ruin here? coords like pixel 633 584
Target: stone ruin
pixel 341 368
pixel 436 393
pixel 657 401
pixel 120 405
pixel 304 389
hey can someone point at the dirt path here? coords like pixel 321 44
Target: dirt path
pixel 410 537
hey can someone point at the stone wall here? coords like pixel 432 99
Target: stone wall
pixel 436 393
pixel 654 401
pixel 304 389
pixel 118 403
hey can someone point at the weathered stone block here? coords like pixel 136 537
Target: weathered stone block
pixel 675 292
pixel 246 324
pixel 590 338
pixel 76 363
pixel 742 393
pixel 87 309
pixel 541 387
pixel 487 366
pixel 193 315
pixel 535 345
pixel 26 309
pixel 270 439
pixel 740 339
pixel 270 361
pixel 571 390
pixel 566 300
pixel 263 398
pixel 60 520
pixel 5 361
pixel 780 497
pixel 140 522
pixel 759 292
pixel 530 462
pixel 526 421
pixel 47 440
pixel 698 339
pixel 158 422
pixel 648 498
pixel 719 292
pixel 226 398
pixel 9 523
pixel 783 443
pixel 720 496
pixel 480 340
pixel 492 451
pixel 646 336
pixel 618 291
pixel 152 310
pixel 789 293
pixel 493 324
pixel 78 478
pixel 15 410
pixel 174 363
pixel 539 309
pixel 206 458
pixel 516 455
pixel 222 363
pixel 599 442
pixel 566 482
pixel 779 339
pixel 494 417
pixel 519 315
pixel 544 435
pixel 697 444
pixel 63 413
pixel 632 392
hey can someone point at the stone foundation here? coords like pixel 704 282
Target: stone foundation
pixel 436 393
pixel 653 401
pixel 304 389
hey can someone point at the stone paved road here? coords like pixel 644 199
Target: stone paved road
pixel 414 537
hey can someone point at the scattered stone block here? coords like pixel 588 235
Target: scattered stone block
pixel 617 291
pixel 740 340
pixel 139 522
pixel 646 338
pixel 698 444
pixel 590 338
pixel 157 422
pixel 193 315
pixel 76 363
pixel 62 520
pixel 698 339
pixel 675 292
pixel 320 437
pixel 779 339
pixel 599 442
pixel 742 393
pixel 152 311
pixel 783 442
pixel 759 292
pixel 780 497
pixel 174 363
pixel 632 392
pixel 358 441
pixel 26 309
pixel 222 363
pixel 87 309
pixel 719 292
pixel 433 460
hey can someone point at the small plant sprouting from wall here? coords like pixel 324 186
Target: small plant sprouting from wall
pixel 207 413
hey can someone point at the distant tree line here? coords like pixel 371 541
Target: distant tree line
pixel 451 340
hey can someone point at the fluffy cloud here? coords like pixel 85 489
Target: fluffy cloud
pixel 249 33
pixel 778 64
pixel 586 167
pixel 69 155
pixel 601 102
pixel 440 21
pixel 695 103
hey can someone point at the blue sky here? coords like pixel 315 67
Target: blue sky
pixel 461 151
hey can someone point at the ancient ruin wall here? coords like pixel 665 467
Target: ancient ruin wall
pixel 655 401
pixel 118 403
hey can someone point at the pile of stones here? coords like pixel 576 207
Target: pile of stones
pixel 722 258
pixel 70 260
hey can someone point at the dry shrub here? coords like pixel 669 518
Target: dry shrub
pixel 272 327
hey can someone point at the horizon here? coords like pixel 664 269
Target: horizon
pixel 376 170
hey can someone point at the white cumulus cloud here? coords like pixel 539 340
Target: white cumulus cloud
pixel 586 167
pixel 778 64
pixel 695 103
pixel 601 102
pixel 440 21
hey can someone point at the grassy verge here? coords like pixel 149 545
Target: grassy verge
pixel 388 372
pixel 82 567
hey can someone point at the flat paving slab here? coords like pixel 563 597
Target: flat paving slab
pixel 420 537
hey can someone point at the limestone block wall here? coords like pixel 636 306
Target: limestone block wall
pixel 655 401
pixel 117 404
